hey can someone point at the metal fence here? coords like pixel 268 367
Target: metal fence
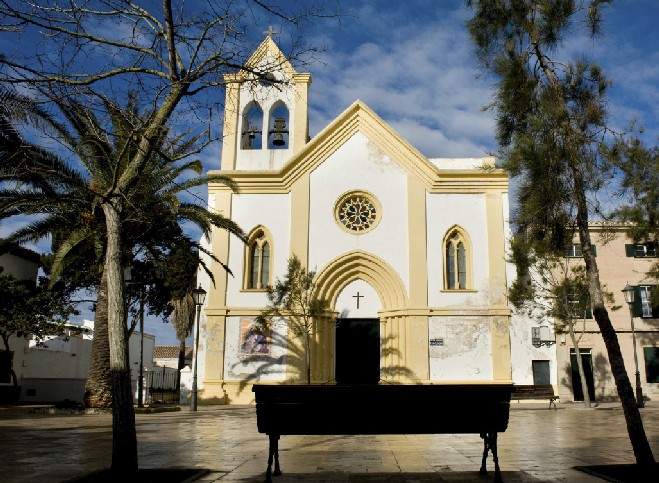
pixel 161 385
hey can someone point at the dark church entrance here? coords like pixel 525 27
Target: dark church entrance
pixel 357 351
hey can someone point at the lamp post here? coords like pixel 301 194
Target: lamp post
pixel 628 292
pixel 199 295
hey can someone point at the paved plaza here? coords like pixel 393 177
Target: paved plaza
pixel 540 445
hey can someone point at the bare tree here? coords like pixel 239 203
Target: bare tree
pixel 104 48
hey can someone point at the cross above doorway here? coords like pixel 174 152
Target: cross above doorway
pixel 358 296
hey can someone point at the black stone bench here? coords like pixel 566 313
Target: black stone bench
pixel 535 392
pixel 290 409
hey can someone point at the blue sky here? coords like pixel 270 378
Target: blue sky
pixel 414 64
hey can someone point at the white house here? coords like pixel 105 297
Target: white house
pixel 56 368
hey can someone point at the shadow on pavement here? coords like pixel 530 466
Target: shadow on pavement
pixel 449 476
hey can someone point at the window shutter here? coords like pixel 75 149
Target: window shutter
pixel 637 309
pixel 654 300
pixel 629 250
pixel 594 250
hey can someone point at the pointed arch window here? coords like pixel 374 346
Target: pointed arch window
pixel 457 260
pixel 258 260
pixel 252 126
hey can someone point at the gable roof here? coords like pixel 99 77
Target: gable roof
pixel 167 352
pixel 358 117
pixel 255 61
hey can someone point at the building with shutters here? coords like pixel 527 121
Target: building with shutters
pixel 620 262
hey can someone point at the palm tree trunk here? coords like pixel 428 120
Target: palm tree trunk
pixel 98 388
pixel 637 436
pixel 124 438
pixel 582 375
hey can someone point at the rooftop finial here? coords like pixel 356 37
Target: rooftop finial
pixel 270 31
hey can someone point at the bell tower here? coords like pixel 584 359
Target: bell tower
pixel 265 121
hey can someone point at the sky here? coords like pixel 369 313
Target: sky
pixel 414 64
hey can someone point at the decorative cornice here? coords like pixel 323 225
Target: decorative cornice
pixel 465 311
pixel 358 117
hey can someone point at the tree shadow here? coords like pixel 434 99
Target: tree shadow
pixel 395 477
pixel 294 357
pixel 602 380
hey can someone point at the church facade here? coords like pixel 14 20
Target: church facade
pixel 410 252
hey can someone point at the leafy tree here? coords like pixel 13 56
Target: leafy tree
pixel 551 127
pixel 79 214
pixel 639 166
pixel 172 54
pixel 30 310
pixel 294 299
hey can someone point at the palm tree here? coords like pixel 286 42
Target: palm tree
pixel 106 207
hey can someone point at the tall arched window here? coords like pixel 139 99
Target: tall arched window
pixel 258 260
pixel 252 126
pixel 278 125
pixel 457 260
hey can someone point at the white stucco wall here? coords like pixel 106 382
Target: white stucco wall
pixel 522 352
pixel 466 352
pixel 236 366
pixel 369 301
pixel 359 165
pixel 469 212
pixel 273 211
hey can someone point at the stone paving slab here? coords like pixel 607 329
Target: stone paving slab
pixel 540 445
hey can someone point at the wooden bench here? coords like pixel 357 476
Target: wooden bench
pixel 382 409
pixel 535 392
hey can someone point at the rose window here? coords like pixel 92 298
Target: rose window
pixel 357 212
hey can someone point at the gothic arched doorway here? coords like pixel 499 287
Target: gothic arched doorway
pixel 357 356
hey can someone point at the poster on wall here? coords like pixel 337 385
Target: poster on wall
pixel 254 338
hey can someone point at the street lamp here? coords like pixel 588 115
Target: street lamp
pixel 628 292
pixel 199 295
pixel 128 280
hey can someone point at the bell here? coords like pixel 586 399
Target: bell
pixel 278 131
pixel 249 135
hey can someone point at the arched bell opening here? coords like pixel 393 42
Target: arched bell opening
pixel 251 136
pixel 278 126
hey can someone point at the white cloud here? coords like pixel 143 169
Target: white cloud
pixel 424 81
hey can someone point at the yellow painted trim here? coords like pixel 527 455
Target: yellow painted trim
pixel 403 312
pixel 359 117
pixel 230 127
pixel 300 206
pixel 500 343
pixel 301 118
pixel 417 241
pixel 364 266
pixel 463 236
pixel 496 247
